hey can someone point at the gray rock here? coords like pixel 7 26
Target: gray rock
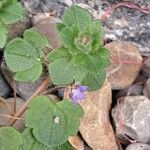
pixel 132 118
pixel 129 25
pixel 61 92
pixel 4 88
pixel 146 68
pixel 138 146
pixel 37 6
pixel 146 90
pixel 24 89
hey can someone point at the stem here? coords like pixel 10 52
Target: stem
pixel 7 104
pixel 8 116
pixel 24 107
pixel 15 102
pixel 53 89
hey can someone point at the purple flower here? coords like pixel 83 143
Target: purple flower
pixel 77 93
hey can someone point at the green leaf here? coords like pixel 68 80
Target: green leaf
pixel 10 139
pixel 60 27
pixel 62 71
pixel 78 17
pixel 53 123
pixel 29 75
pixel 3 35
pixel 91 63
pixel 104 56
pixel 67 37
pixel 58 53
pixel 65 146
pixel 36 39
pixel 94 81
pixel 12 13
pixel 20 55
pixel 30 143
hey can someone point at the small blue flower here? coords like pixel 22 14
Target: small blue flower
pixel 77 93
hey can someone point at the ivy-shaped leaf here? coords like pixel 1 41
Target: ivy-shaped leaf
pixel 10 139
pixel 23 56
pixel 30 143
pixel 52 123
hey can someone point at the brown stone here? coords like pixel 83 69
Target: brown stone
pixel 126 62
pixel 76 142
pixel 95 126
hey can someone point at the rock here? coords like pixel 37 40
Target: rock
pixel 146 90
pixel 4 110
pixel 138 146
pixel 87 147
pixel 37 6
pixel 132 118
pixel 47 27
pixel 4 88
pixel 23 89
pixel 125 65
pixel 61 92
pixel 76 142
pixel 146 68
pixel 128 24
pixel 18 28
pixel 95 126
pixel 134 90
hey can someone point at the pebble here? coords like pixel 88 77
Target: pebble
pixel 132 118
pixel 138 146
pixel 4 87
pixel 23 89
pixel 126 62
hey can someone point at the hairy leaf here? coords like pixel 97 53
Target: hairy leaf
pixel 94 81
pixel 67 37
pixel 52 123
pixel 36 39
pixel 23 56
pixel 29 75
pixel 11 13
pixel 58 53
pixel 3 35
pixel 20 55
pixel 63 71
pixel 78 17
pixel 30 143
pixel 10 139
